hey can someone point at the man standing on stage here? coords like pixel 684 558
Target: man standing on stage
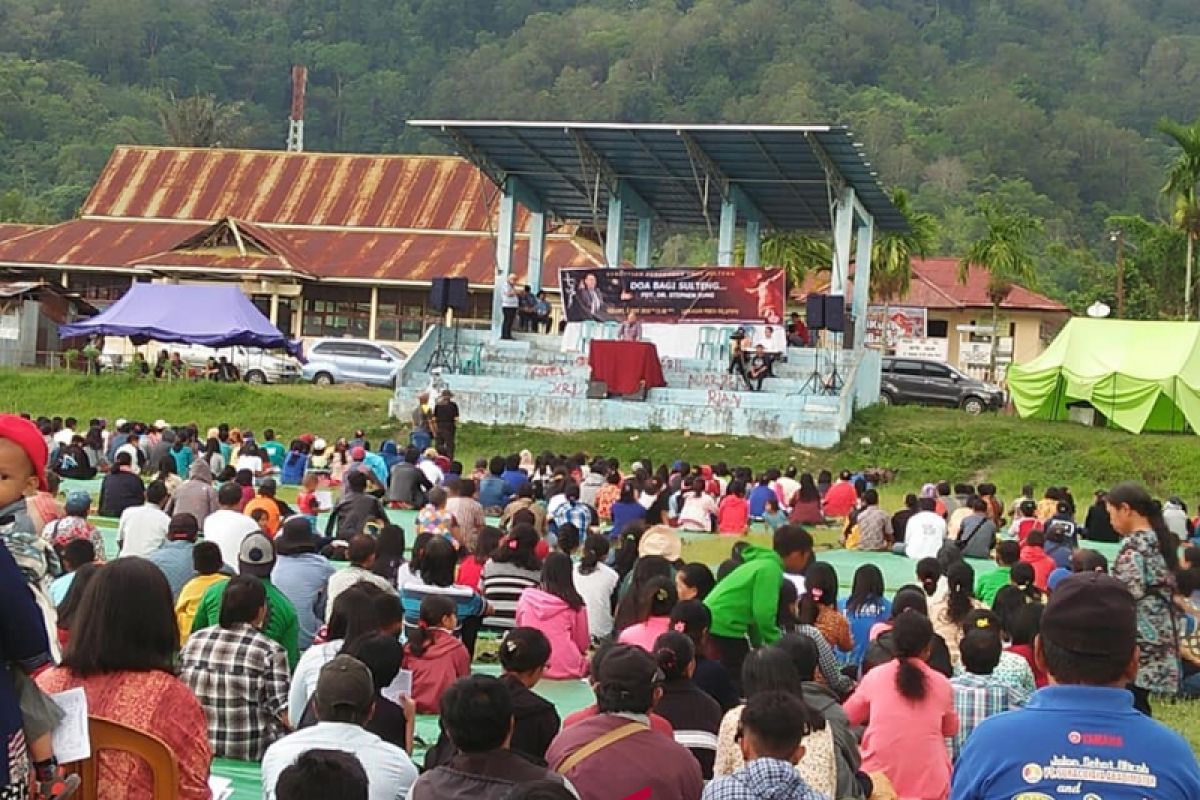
pixel 510 302
pixel 631 328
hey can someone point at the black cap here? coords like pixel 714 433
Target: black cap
pixel 183 526
pixel 1091 614
pixel 296 536
pixel 344 682
pixel 627 668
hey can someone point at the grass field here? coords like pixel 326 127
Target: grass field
pixel 918 444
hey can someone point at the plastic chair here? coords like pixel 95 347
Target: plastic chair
pixel 474 363
pixel 108 735
pixel 611 331
pixel 708 348
pixel 586 333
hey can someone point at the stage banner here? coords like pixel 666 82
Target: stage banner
pixel 903 322
pixel 705 294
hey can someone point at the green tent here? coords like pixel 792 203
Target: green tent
pixel 1139 375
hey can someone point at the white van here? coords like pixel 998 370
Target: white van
pixel 255 364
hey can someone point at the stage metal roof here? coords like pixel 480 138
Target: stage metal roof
pixel 789 173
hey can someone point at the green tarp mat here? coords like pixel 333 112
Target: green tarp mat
pixel 1142 376
pixel 567 696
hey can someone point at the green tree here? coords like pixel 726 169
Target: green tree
pixel 893 253
pixel 798 253
pixel 1005 252
pixel 1183 178
pixel 200 121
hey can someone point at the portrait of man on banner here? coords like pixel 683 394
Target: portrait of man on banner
pixel 583 297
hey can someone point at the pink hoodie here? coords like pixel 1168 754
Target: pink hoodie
pixel 566 629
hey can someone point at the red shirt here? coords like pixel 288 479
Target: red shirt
pixel 1025 651
pixel 840 499
pixel 733 514
pixel 469 573
pixel 657 723
pixel 1042 565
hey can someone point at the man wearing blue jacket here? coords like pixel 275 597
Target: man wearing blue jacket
pixel 1080 737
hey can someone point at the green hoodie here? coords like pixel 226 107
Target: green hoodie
pixel 746 603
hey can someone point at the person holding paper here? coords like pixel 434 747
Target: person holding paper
pixel 122 653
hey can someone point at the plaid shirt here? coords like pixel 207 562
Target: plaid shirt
pixel 240 678
pixel 763 777
pixel 577 514
pixel 977 697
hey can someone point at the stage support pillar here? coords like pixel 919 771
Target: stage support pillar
pixel 753 244
pixel 505 234
pixel 642 256
pixel 843 229
pixel 537 250
pixel 862 278
pixel 728 231
pixel 614 233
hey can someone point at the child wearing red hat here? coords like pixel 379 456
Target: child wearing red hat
pixel 23 471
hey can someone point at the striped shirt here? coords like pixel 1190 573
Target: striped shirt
pixel 467 602
pixel 503 584
pixel 696 718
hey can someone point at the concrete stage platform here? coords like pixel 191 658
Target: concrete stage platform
pixel 532 381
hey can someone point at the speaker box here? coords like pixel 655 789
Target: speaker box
pixel 447 293
pixel 835 313
pixel 597 390
pixel 815 312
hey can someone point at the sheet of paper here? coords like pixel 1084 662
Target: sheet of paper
pixel 221 788
pixel 401 686
pixel 324 499
pixel 71 740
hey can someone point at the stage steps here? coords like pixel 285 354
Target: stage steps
pixel 530 381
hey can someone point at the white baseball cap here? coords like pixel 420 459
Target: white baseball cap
pixel 160 425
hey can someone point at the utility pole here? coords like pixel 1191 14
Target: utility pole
pixel 1118 238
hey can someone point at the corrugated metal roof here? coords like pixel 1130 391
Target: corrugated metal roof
pixel 421 257
pixel 783 169
pixel 429 193
pixel 935 286
pixel 112 244
pixel 9 289
pixel 11 230
pixel 363 256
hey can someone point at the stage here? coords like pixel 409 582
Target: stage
pixel 531 381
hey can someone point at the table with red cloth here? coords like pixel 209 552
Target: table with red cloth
pixel 625 366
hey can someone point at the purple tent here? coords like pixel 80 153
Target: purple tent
pixel 215 316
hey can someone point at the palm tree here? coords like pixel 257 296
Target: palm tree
pixel 1004 252
pixel 200 121
pixel 1183 177
pixel 798 253
pixel 893 253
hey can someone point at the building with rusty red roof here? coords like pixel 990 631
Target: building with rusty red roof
pixel 956 315
pixel 326 244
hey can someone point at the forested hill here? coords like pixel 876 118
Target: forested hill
pixel 1049 105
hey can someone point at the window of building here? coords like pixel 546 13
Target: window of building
pixel 98 289
pixel 401 314
pixel 937 329
pixel 337 312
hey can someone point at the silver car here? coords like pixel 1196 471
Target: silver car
pixel 352 361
